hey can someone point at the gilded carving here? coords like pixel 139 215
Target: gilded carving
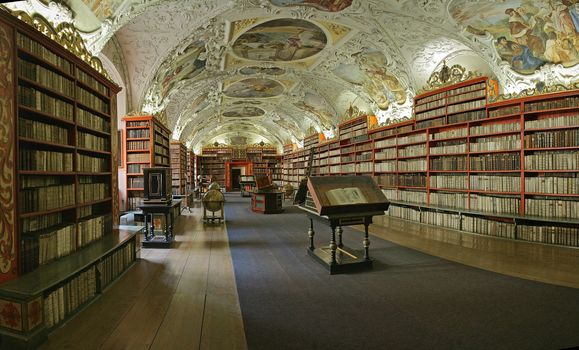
pixel 66 35
pixel 539 89
pixel 7 161
pixel 239 26
pixel 448 76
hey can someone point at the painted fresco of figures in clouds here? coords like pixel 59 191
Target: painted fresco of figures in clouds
pixel 187 65
pixel 244 112
pixel 324 5
pixel 317 106
pixel 103 9
pixel 280 40
pixel 254 88
pixel 528 33
pixel 370 73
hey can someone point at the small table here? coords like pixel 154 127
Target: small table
pixel 267 202
pixel 159 241
pixel 244 184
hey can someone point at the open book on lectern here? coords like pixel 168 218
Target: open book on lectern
pixel 347 195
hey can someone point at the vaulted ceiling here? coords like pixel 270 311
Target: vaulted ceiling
pixel 275 70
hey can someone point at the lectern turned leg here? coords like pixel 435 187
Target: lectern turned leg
pixel 333 247
pixel 311 234
pixel 339 230
pixel 366 242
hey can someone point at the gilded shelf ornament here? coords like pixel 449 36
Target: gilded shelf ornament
pixel 539 89
pixel 66 35
pixel 448 76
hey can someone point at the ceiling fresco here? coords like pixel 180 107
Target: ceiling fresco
pixel 324 5
pixel 254 88
pixel 244 112
pixel 370 72
pixel 278 68
pixel 280 40
pixel 527 33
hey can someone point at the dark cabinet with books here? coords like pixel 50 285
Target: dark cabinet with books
pixel 59 180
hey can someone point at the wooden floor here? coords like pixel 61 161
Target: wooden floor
pixel 181 298
pixel 186 297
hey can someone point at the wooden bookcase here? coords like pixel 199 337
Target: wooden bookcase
pixel 146 146
pixel 212 162
pixel 59 179
pixel 179 168
pixel 507 169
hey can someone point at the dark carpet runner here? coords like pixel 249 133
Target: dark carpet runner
pixel 410 300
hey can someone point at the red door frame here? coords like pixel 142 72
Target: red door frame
pixel 228 165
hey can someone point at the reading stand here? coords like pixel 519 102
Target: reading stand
pixel 343 201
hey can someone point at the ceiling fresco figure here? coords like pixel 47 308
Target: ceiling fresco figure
pixel 528 33
pixel 324 5
pixel 186 66
pixel 280 40
pixel 254 88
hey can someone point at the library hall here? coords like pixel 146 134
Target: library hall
pixel 289 174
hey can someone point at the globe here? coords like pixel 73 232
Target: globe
pixel 212 200
pixel 214 186
pixel 288 190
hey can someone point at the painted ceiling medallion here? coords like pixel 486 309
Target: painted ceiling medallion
pixel 254 88
pixel 260 70
pixel 324 5
pixel 527 33
pixel 244 112
pixel 280 40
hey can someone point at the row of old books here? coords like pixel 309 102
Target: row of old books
pixel 137 123
pixel 41 160
pixel 66 299
pixel 546 139
pixel 387 153
pixel 455 181
pixel 136 168
pixel 138 157
pixel 34 199
pixel 41 51
pixel 40 249
pixel 495 204
pixel 495 128
pixel 561 184
pixel 549 234
pixel 510 142
pixel 421 137
pixel 135 200
pixel 453 133
pixel 93 164
pixel 449 199
pixel 448 220
pixel 114 264
pixel 466 116
pixel 91 82
pixel 447 163
pixel 555 208
pixel 572 101
pixel 412 165
pixel 488 227
pixel 93 142
pixel 563 160
pixel 503 111
pixel 448 147
pixel 93 191
pixel 89 99
pixel 161 150
pixel 412 151
pixel 42 131
pixel 92 121
pixel 497 183
pixel 466 96
pixel 494 162
pixel 138 133
pixel 571 119
pixel 412 196
pixel 138 145
pixel 46 77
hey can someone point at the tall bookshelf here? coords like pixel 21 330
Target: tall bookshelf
pixel 507 169
pixel 146 146
pixel 60 201
pixel 212 163
pixel 179 168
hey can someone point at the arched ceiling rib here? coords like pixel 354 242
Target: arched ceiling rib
pixel 305 62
